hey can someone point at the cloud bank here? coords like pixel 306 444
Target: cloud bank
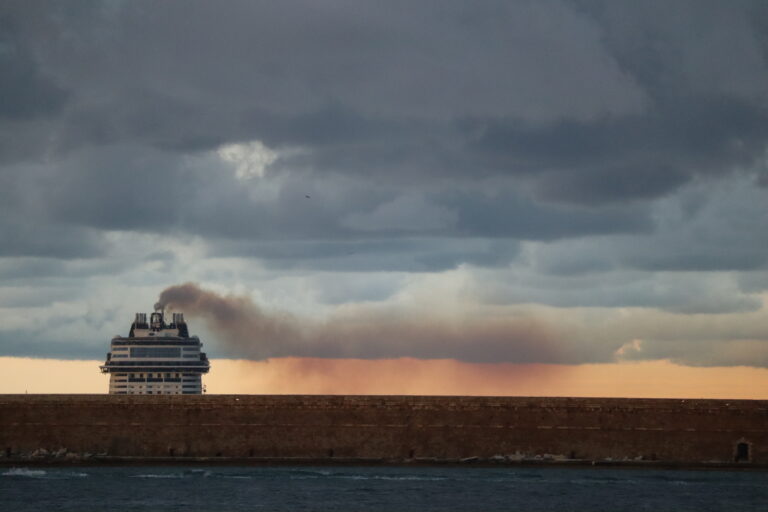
pixel 595 161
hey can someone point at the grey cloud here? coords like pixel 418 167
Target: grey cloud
pixel 502 211
pixel 362 287
pixel 41 329
pixel 703 352
pixel 754 282
pixel 631 157
pixel 25 297
pixel 374 255
pixel 619 139
pixel 713 225
pixel 23 343
pixel 120 188
pixel 558 94
pixel 696 46
pixel 26 91
pixel 677 293
pixel 136 80
pixel 22 237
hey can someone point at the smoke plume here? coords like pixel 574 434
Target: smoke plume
pixel 249 331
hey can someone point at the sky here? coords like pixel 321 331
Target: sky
pixel 447 197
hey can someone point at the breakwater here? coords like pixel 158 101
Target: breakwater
pixel 395 429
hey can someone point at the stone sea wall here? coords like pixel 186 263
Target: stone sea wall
pixel 383 429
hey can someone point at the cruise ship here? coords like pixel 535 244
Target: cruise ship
pixel 157 358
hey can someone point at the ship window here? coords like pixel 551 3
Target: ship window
pixel 155 352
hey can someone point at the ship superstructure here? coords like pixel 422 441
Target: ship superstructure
pixel 157 358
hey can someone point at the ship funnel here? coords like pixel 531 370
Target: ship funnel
pixel 141 319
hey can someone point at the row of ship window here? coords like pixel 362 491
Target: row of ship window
pixel 187 343
pixel 166 375
pixel 123 349
pixel 124 356
pixel 126 364
pixel 194 347
pixel 158 393
pixel 158 375
pixel 144 352
pixel 184 386
pixel 156 379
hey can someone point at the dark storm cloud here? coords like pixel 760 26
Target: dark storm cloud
pixel 343 224
pixel 524 120
pixel 27 93
pixel 562 92
pixel 595 154
pixel 641 156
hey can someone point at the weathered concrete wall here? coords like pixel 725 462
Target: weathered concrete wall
pixel 384 427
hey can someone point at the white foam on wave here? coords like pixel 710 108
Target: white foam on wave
pixel 203 473
pixel 31 473
pixel 75 475
pixel 310 474
pixel 160 475
pixel 420 478
pixel 392 478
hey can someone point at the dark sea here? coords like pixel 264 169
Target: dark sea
pixel 379 489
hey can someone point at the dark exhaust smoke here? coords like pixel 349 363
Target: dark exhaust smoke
pixel 249 331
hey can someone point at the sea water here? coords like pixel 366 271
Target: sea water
pixel 351 488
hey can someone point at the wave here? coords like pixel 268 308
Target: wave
pixel 31 473
pixel 204 473
pixel 159 475
pixel 39 473
pixel 361 476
